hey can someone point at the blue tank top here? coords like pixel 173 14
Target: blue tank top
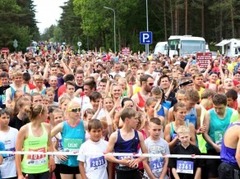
pixel 191 117
pixel 161 111
pixel 173 133
pixel 72 139
pixel 228 154
pixel 129 146
pixel 218 126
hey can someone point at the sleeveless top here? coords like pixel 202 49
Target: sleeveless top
pixel 141 102
pixel 173 133
pixel 218 126
pixel 126 146
pixel 161 111
pixel 72 139
pixel 191 117
pixel 228 154
pixel 35 163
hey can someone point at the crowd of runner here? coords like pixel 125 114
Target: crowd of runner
pixel 98 103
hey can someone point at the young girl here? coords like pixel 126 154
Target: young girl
pixel 170 135
pixel 8 136
pixel 73 135
pixel 34 137
pixel 20 117
pixel 56 117
pixel 63 102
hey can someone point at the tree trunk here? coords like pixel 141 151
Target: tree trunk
pixel 172 20
pixel 176 32
pixel 232 18
pixel 165 19
pixel 203 21
pixel 221 22
pixel 186 17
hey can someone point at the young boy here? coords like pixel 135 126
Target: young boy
pixel 8 136
pixel 181 167
pixel 126 140
pixel 93 166
pixel 156 167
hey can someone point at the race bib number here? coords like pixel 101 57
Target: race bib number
pixel 124 157
pixel 72 145
pixel 185 167
pixel 97 162
pixel 156 164
pixel 218 137
pixel 37 159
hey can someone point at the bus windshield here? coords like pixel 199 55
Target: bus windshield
pixel 192 46
pixel 173 44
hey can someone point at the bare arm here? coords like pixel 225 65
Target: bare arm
pixel 198 173
pixel 57 129
pixel 82 170
pixel 148 169
pixel 237 156
pixel 175 174
pixel 205 134
pixel 167 137
pixel 19 146
pixel 165 168
pixel 52 165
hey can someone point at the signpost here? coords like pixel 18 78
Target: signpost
pixel 15 44
pixel 79 44
pixel 203 59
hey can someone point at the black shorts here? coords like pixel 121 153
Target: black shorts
pixel 227 171
pixel 38 175
pixel 64 169
pixel 212 164
pixel 127 173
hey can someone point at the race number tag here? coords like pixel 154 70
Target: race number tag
pixel 97 162
pixel 156 164
pixel 72 145
pixel 218 137
pixel 185 167
pixel 37 159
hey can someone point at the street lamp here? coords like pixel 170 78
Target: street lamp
pixel 147 45
pixel 114 25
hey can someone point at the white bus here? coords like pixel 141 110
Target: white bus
pixel 185 45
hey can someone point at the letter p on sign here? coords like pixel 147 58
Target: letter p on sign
pixel 145 38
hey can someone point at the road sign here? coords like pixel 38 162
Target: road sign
pixel 126 51
pixel 15 43
pixel 203 59
pixel 79 44
pixel 146 37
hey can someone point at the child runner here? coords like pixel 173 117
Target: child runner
pixel 8 136
pixel 126 140
pixel 182 167
pixel 57 117
pixel 156 167
pixel 92 166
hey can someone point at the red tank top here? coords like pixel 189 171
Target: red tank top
pixel 141 102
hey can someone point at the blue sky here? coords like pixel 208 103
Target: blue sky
pixel 47 12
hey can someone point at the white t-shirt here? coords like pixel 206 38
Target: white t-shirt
pixel 8 167
pixel 156 147
pixel 95 165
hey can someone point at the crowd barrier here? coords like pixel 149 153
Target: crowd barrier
pixel 113 154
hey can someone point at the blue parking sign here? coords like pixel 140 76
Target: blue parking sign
pixel 146 37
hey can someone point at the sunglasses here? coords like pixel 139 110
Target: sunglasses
pixel 75 110
pixel 150 84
